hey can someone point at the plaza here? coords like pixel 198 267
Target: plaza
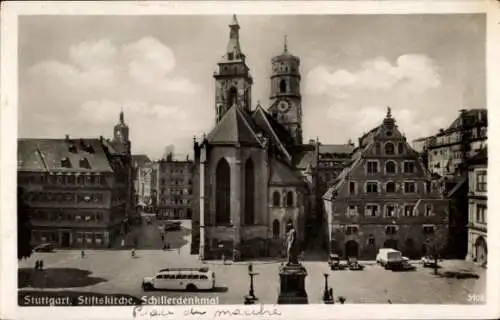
pixel 117 272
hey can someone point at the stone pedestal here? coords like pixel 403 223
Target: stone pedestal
pixel 292 284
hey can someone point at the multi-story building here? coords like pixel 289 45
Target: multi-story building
pixel 384 198
pixel 144 190
pixel 173 186
pixel 447 155
pixel 478 208
pixel 78 189
pixel 448 151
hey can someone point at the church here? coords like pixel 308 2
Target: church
pixel 252 172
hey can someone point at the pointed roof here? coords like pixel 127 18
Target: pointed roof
pixel 264 120
pixel 234 128
pixel 234 21
pixel 282 174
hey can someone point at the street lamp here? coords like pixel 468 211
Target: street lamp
pixel 251 298
pixel 328 293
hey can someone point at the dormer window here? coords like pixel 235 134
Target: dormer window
pixel 65 163
pixel 84 163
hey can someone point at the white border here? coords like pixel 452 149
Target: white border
pixel 8 101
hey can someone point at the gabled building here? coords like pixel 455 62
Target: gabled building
pixel 252 173
pixel 385 197
pixel 478 207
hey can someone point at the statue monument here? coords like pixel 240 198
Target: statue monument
pixel 292 273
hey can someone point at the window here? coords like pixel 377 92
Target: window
pixel 388 133
pixel 409 210
pixel 481 181
pixel 289 199
pixel 409 167
pixel 390 210
pixel 352 187
pixel 428 229
pixel 481 213
pixel 390 187
pixel 391 229
pixel 372 166
pixel 410 187
pixel 276 199
pixel 390 167
pixel 400 148
pixel 389 148
pixel 371 240
pixel 428 210
pixel 282 86
pixel 352 210
pixel 371 187
pixel 351 230
pixel 371 210
pixel 427 186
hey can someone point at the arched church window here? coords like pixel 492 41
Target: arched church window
pixel 389 148
pixel 249 192
pixel 276 229
pixel 289 199
pixel 223 190
pixel 282 86
pixel 276 199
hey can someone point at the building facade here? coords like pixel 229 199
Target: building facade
pixel 78 196
pixel 478 207
pixel 142 175
pixel 252 172
pixel 173 186
pixel 449 150
pixel 447 155
pixel 384 198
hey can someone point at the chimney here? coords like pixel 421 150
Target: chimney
pixel 67 138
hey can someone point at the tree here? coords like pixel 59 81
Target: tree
pixel 435 247
pixel 24 248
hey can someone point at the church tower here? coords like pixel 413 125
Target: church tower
pixel 286 104
pixel 120 133
pixel 233 82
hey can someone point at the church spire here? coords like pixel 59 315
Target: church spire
pixel 285 47
pixel 122 118
pixel 233 51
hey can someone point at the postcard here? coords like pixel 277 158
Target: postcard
pixel 257 160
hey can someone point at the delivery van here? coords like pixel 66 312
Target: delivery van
pixel 389 258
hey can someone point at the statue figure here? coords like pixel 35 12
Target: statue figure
pixel 292 247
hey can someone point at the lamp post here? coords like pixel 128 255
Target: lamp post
pixel 327 295
pixel 251 298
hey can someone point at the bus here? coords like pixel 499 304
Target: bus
pixel 190 279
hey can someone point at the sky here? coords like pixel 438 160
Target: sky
pixel 76 73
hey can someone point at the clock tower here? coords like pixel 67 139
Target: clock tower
pixel 120 133
pixel 233 82
pixel 286 104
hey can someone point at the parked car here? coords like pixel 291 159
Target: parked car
pixel 407 266
pixel 44 247
pixel 389 258
pixel 428 262
pixel 334 261
pixel 354 265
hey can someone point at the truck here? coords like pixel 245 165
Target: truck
pixel 389 258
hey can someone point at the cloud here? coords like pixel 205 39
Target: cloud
pixel 414 73
pixel 146 64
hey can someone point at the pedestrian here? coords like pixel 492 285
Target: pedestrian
pixel 41 264
pixel 83 253
pixel 37 265
pixel 132 253
pixel 250 267
pixel 123 243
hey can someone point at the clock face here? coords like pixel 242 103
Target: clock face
pixel 283 106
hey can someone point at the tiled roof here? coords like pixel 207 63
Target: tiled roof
pixel 356 158
pixel 264 121
pixel 474 114
pixel 234 128
pixel 140 160
pixel 303 159
pixel 336 148
pixel 61 155
pixel 283 174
